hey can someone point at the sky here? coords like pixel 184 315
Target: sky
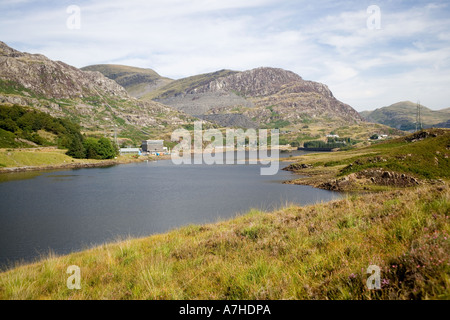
pixel 370 53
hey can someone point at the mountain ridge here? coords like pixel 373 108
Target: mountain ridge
pixel 96 95
pixel 137 81
pixel 86 97
pixel 246 96
pixel 402 115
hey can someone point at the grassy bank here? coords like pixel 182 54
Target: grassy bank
pixel 35 157
pixel 315 252
pixel 418 158
pixel 14 160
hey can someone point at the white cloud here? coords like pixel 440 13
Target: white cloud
pixel 325 41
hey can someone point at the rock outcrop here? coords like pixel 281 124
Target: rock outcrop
pixel 87 97
pixel 370 176
pixel 264 95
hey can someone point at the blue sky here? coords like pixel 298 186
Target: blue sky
pixel 408 58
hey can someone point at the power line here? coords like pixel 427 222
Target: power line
pixel 418 117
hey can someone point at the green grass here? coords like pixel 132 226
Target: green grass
pixel 424 159
pixel 276 124
pixel 315 252
pixel 403 115
pixel 427 159
pixel 44 158
pixel 134 80
pixel 8 140
pixel 11 87
pixel 34 157
pixel 185 84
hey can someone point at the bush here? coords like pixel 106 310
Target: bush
pixel 76 149
pixel 322 144
pixel 99 148
pixel 24 123
pixel 106 149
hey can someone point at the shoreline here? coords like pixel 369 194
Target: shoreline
pixel 89 163
pixel 61 167
pixel 27 160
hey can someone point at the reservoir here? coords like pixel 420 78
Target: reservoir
pixel 66 211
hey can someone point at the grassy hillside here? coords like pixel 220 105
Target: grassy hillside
pixel 34 157
pixel 27 127
pixel 137 81
pixel 183 85
pixel 314 252
pixel 402 115
pixel 417 158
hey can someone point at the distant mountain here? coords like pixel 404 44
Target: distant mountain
pixel 137 81
pixel 260 97
pixel 86 97
pixel 402 115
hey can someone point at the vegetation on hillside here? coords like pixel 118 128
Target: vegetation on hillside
pixel 402 115
pixel 99 148
pixel 424 154
pixel 184 85
pixel 331 143
pixel 89 99
pixel 27 127
pixel 418 158
pixel 137 81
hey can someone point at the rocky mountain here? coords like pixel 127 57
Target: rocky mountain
pixel 259 97
pixel 137 81
pixel 87 97
pixel 402 115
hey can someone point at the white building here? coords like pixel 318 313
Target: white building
pixel 130 151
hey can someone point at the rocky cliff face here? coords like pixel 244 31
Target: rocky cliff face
pixel 253 83
pixel 85 96
pixel 53 79
pixel 262 96
pixel 254 98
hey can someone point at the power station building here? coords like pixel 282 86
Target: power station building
pixel 153 146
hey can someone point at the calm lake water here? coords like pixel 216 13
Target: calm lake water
pixel 71 210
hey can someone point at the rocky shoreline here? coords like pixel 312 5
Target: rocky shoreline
pixel 61 166
pixel 366 180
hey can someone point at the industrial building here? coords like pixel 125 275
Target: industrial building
pixel 153 146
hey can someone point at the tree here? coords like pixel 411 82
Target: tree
pixel 8 125
pixel 91 147
pixel 106 149
pixel 99 148
pixel 76 149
